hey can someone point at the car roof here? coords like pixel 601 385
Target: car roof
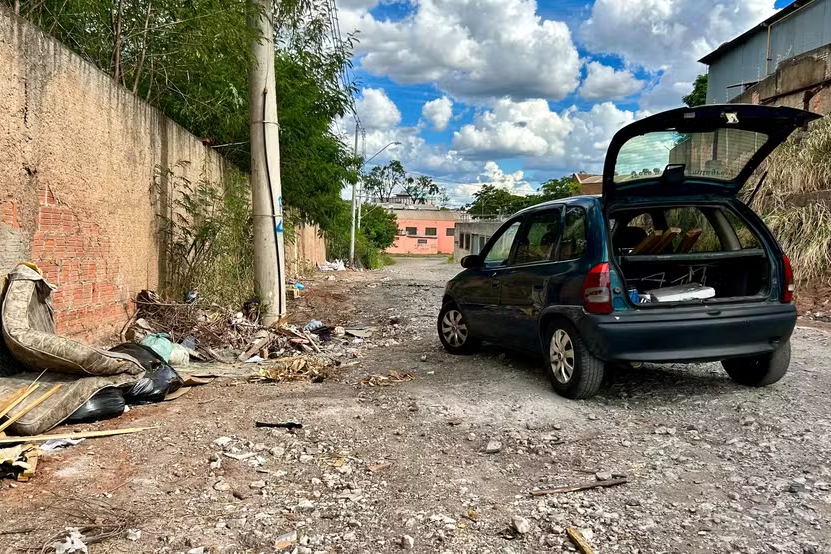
pixel 585 200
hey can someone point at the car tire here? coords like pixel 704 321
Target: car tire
pixel 760 371
pixel 574 372
pixel 454 332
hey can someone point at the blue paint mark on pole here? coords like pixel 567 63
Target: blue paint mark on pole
pixel 280 226
pixel 280 204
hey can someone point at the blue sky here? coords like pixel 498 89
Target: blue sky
pixel 514 92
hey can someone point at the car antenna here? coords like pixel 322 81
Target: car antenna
pixel 758 186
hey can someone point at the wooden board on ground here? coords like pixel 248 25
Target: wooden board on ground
pixel 688 241
pixel 79 435
pixel 29 407
pixel 579 541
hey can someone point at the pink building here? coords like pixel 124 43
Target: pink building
pixel 425 231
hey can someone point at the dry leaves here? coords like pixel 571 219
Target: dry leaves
pixel 385 380
pixel 294 368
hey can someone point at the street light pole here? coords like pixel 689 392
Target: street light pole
pixel 356 205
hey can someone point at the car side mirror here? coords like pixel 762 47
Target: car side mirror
pixel 472 262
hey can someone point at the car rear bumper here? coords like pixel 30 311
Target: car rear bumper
pixel 689 334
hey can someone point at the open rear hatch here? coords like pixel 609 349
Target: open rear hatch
pixel 678 234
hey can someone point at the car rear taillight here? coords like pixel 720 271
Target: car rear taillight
pixel 788 286
pixel 597 290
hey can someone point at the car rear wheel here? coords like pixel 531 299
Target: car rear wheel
pixel 454 332
pixel 759 371
pixel 574 371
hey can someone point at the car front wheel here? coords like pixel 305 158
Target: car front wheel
pixel 574 371
pixel 760 371
pixel 454 332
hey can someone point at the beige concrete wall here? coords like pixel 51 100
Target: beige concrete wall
pixel 77 159
pixel 306 251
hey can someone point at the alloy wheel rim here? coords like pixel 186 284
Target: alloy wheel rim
pixel 561 356
pixel 454 329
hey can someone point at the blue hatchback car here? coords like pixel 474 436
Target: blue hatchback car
pixel 668 265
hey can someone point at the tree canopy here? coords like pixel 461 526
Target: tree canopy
pixel 491 200
pixel 191 59
pixel 698 96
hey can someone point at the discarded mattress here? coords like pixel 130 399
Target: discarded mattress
pixel 73 393
pixel 29 333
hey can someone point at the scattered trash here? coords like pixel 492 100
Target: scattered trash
pixel 579 541
pixel 383 380
pixel 255 360
pixel 581 487
pixel 191 296
pixel 179 356
pixel 160 344
pixel 338 332
pixel 73 543
pixel 359 333
pixel 105 404
pixel 299 286
pixel 284 542
pixel 312 326
pixel 18 462
pixel 337 265
pixel 56 444
pixel 133 534
pixel 280 425
pixel 154 386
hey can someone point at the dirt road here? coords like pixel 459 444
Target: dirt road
pixel 711 466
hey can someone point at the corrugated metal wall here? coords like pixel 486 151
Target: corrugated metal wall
pixel 799 32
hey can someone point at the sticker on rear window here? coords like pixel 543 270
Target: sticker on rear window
pixel 732 118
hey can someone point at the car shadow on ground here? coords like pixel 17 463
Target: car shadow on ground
pixel 660 383
pixel 664 383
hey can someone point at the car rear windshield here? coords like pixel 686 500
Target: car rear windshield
pixel 718 155
pixel 692 229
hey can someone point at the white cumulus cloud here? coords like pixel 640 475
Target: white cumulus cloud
pixel 668 36
pixel 606 83
pixel 543 138
pixel 482 49
pixel 438 112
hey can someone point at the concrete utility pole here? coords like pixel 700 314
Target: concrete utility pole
pixel 266 192
pixel 354 205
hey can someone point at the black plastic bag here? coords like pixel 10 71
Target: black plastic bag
pixel 104 404
pixel 154 386
pixel 144 355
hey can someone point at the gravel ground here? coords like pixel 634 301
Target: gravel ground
pixel 446 462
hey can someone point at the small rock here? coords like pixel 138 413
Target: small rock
pixel 222 442
pixel 257 485
pixel 424 357
pixel 521 525
pixel 240 495
pixel 222 486
pixel 796 488
pixel 471 437
pixel 350 536
pixel 603 475
pixel 199 550
pixel 588 534
pixel 407 542
pixel 284 542
pixel 133 534
pixel 493 447
pixel 410 523
pixel 593 417
pixel 306 505
pixel 277 451
pixel 748 421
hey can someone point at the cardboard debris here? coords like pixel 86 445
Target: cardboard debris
pixel 291 369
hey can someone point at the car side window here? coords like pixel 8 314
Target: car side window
pixel 538 242
pixel 574 243
pixel 501 250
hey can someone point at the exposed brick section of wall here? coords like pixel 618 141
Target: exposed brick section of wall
pixel 76 255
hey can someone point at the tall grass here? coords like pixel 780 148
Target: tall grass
pixel 801 165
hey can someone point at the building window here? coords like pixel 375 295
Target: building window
pixel 450 232
pixel 430 231
pixel 412 231
pixel 467 242
pixel 422 242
